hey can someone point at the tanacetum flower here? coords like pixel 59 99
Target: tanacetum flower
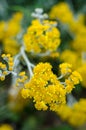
pixel 62 12
pixel 41 37
pixel 65 68
pixel 75 77
pixel 46 90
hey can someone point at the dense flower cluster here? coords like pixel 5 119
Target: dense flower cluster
pixel 41 37
pixel 53 91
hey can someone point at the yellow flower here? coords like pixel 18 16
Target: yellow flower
pixel 11 46
pixel 79 42
pixel 17 17
pixel 77 25
pixel 42 37
pixel 69 85
pixel 46 90
pixel 25 93
pixel 75 77
pixel 41 105
pixel 13 26
pixel 21 79
pixel 6 127
pixel 65 68
pixel 6 67
pixel 62 12
pixel 71 57
pixel 74 115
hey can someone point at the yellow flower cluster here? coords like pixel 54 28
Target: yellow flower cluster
pixel 65 68
pixel 3 71
pixel 9 60
pixel 42 36
pixel 71 57
pixel 77 62
pixel 6 127
pixel 13 26
pixel 76 25
pixel 11 45
pixel 46 89
pixel 73 76
pixel 75 115
pixel 8 33
pixel 5 68
pixel 79 43
pixel 21 78
pixel 54 55
pixel 62 12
